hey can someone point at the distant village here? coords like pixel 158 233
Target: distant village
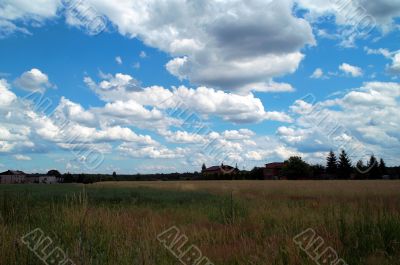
pixel 271 171
pixel 295 168
pixel 20 177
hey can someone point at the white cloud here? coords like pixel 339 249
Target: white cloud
pixel 74 112
pixel 14 137
pixel 114 88
pixel 356 18
pixel 153 152
pixel 130 109
pixel 354 71
pixel 267 87
pixel 136 65
pixel 230 107
pixel 12 10
pixel 8 28
pixel 317 74
pixel 142 54
pixel 118 60
pixel 394 56
pixel 251 43
pixel 22 158
pixel 6 96
pixel 378 131
pixel 118 133
pixel 343 122
pixel 238 134
pixel 33 80
pixel 202 100
pixel 385 52
pixel 24 12
pixel 395 66
pixel 183 137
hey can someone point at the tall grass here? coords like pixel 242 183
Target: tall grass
pixel 231 222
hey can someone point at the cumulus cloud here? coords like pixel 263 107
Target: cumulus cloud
pixel 238 134
pixel 74 112
pixel 109 128
pixel 33 80
pixel 382 12
pixel 202 100
pixel 24 129
pixel 183 137
pixel 355 19
pixel 153 152
pixel 352 70
pixel 219 44
pixel 343 123
pixel 7 97
pixel 70 126
pixel 267 87
pixel 394 68
pixel 317 74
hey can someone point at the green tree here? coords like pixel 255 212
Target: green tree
pixel 68 178
pixel 360 169
pixel 382 167
pixel 257 173
pixel 317 171
pixel 203 167
pixel 331 164
pixel 54 173
pixel 344 167
pixel 296 168
pixel 373 167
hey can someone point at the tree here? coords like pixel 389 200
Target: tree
pixel 257 173
pixel 114 175
pixel 317 171
pixel 68 178
pixel 344 166
pixel 331 164
pixel 382 167
pixel 373 167
pixel 295 167
pixel 54 173
pixel 360 169
pixel 203 167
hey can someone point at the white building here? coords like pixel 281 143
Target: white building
pixel 12 177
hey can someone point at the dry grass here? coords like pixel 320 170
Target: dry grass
pixel 317 188
pixel 241 222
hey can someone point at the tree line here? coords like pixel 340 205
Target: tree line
pixel 337 167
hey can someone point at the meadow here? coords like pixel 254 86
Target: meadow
pixel 231 222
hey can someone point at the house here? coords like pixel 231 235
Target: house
pixel 48 179
pixel 42 179
pixel 273 170
pixel 12 177
pixel 19 177
pixel 220 170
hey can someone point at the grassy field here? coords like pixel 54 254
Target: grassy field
pixel 241 222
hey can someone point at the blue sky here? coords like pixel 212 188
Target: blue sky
pixel 265 80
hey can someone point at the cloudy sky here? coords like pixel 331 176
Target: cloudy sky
pixel 163 86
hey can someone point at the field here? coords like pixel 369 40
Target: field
pixel 241 222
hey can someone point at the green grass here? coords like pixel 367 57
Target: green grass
pixel 231 222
